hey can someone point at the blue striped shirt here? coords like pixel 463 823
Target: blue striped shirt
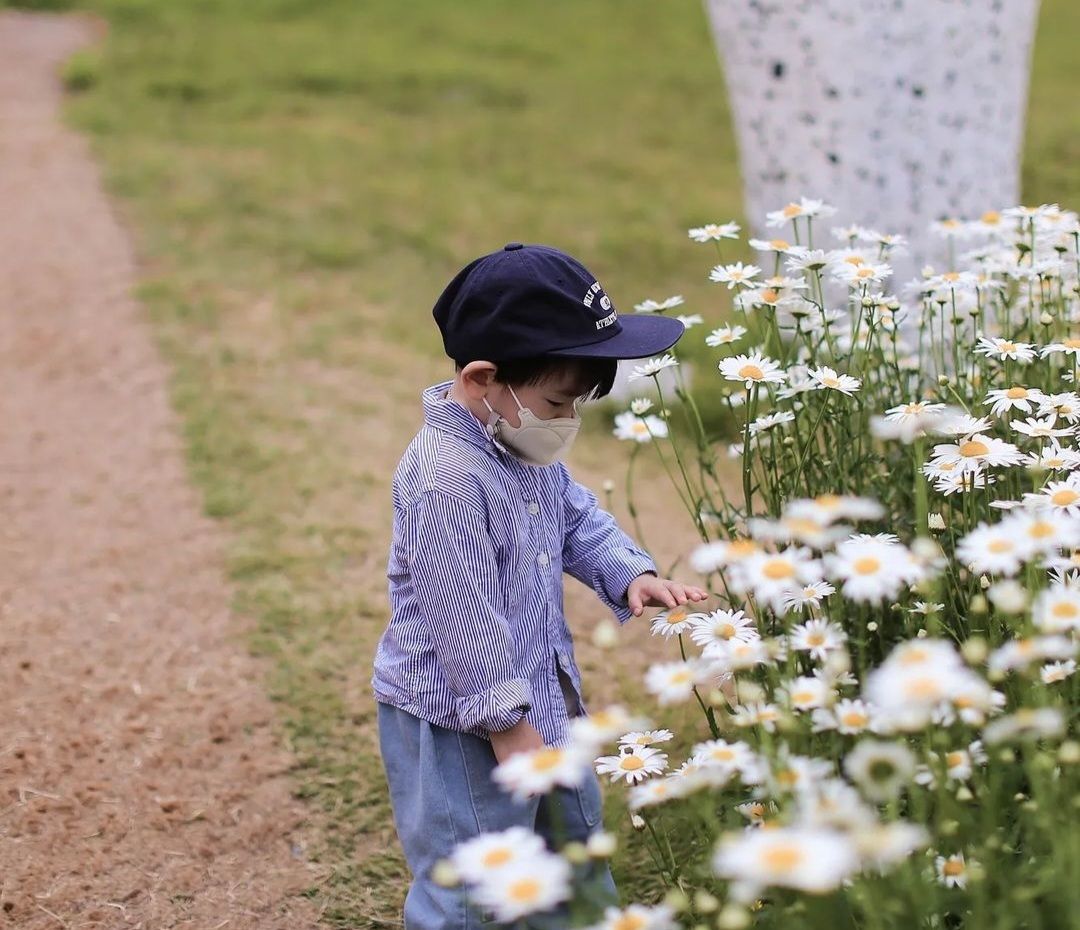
pixel 477 636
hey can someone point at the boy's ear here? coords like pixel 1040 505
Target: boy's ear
pixel 477 378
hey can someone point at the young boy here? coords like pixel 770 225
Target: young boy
pixel 477 662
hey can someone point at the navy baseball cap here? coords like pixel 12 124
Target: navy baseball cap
pixel 529 300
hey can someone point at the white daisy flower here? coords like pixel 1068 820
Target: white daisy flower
pixel 629 426
pixel 734 274
pixel 806 693
pixel 633 764
pixel 1002 349
pixel 977 452
pixel 846 716
pixel 818 638
pixel 772 575
pixel 1057 609
pixel 1042 428
pixel 992 549
pixel 711 232
pixel 952 871
pixel 525 888
pixel 673 682
pixel 721 626
pixel 735 757
pixel 770 420
pixel 1066 405
pixel 736 654
pixel 779 246
pixel 751 370
pixel 884 845
pixel 674 621
pixel 725 336
pixel 638 917
pixel 1068 346
pixel 651 792
pixel 825 377
pixel 525 774
pixel 758 714
pixel 659 306
pixel 1015 398
pixel 488 853
pixel 913 410
pixel 880 769
pixel 592 730
pixel 653 367
pixel 1057 497
pixel 1028 723
pixel 827 508
pixel 645 737
pixel 711 557
pixel 1053 458
pixel 690 320
pixel 1044 530
pixel 873 570
pixel 810 595
pixel 807 859
pixel 1020 653
pixel 1053 672
pixel 863 274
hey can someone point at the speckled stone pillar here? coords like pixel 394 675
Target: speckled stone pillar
pixel 898 112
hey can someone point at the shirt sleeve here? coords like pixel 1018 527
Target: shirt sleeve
pixel 456 580
pixel 597 552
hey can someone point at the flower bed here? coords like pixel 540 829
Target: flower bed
pixel 887 693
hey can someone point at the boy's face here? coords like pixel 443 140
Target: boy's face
pixel 553 397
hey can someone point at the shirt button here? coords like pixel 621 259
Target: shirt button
pixel 542 558
pixel 534 508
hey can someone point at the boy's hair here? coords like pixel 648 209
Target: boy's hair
pixel 594 376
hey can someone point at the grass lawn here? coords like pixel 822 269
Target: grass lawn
pixel 302 178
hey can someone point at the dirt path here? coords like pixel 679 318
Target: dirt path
pixel 140 784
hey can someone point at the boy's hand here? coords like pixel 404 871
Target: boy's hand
pixel 521 737
pixel 649 591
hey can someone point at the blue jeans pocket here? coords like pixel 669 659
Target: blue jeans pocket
pixel 590 801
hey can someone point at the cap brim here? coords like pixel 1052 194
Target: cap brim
pixel 640 336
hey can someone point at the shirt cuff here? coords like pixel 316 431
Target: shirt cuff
pixel 614 572
pixel 498 708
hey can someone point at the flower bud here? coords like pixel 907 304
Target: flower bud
pixel 1008 596
pixel 601 845
pixel 750 692
pixel 608 486
pixel 575 853
pixel 733 917
pixel 1046 319
pixel 444 874
pixel 975 650
pixel 1069 752
pixel 704 902
pixel 963 794
pixel 872 626
pixel 605 635
pixel 676 899
pixel 936 522
pixel 978 604
pixel 942 380
pixel 949 827
pixel 637 822
pixel 984 582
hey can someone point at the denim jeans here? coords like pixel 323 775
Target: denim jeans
pixel 443 794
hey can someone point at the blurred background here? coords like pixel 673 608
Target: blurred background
pixel 302 177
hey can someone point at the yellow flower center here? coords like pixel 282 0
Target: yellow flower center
pixel 854 718
pixel 1006 346
pixel 792 210
pixel 497 857
pixel 524 889
pixel 722 754
pixel 816 638
pixel 631 763
pixel 740 548
pixel 1071 343
pixel 782 858
pixel 854 260
pixel 803 697
pixel 950 224
pixel 991 217
pixel 1064 497
pixel 726 631
pixel 953 759
pixel 779 244
pixel 951 276
pixel 1016 393
pixel 924 688
pixel 973 448
pixel 828 501
pixel 1000 545
pixel 629 922
pixel 751 373
pixel 831 382
pixel 864 273
pixel 778 569
pixel 678 615
pixel 867 565
pixel 1040 530
pixel 787 778
pixel 770 295
pixel 681 677
pixel 953 867
pixel 546 759
pixel 640 428
pixel 1065 610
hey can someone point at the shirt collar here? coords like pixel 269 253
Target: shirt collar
pixel 442 413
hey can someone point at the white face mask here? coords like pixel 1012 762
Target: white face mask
pixel 536 441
